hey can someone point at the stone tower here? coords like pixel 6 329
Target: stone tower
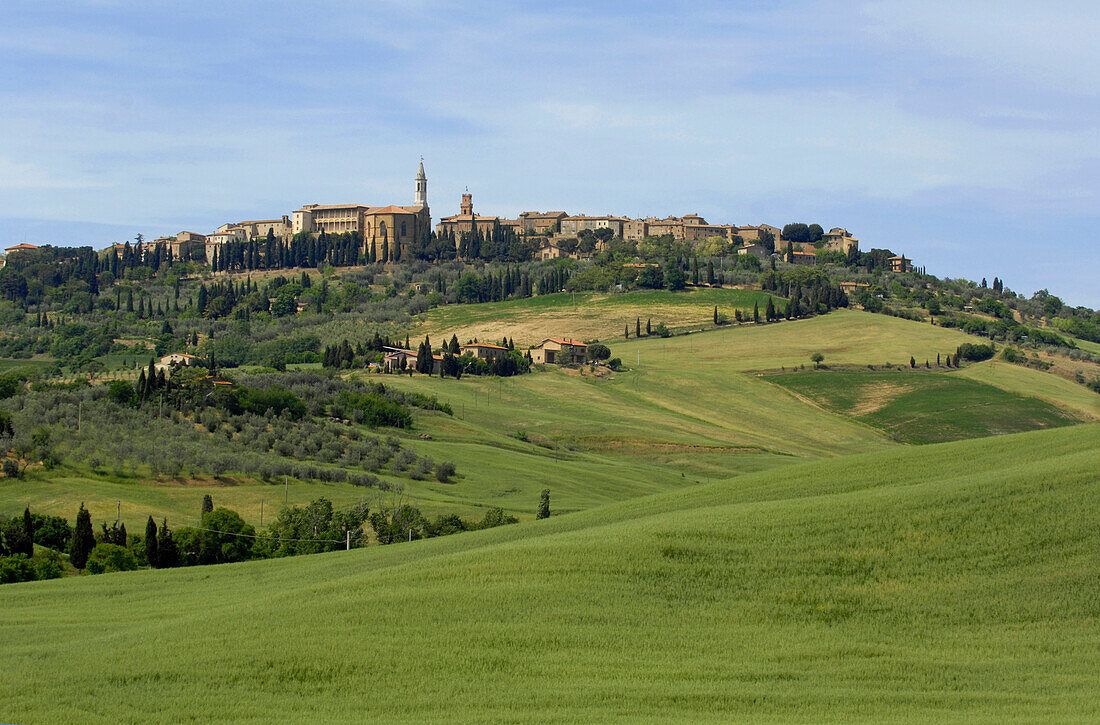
pixel 467 207
pixel 421 187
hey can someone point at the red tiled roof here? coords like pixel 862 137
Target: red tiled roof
pixel 564 341
pixel 484 344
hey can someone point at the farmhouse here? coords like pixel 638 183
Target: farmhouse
pixel 392 361
pixel 484 351
pixel 178 358
pixel 756 250
pixel 804 258
pixel 849 288
pixel 899 264
pixel 20 247
pixel 559 351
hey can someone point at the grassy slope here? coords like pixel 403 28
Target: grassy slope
pixel 954 581
pixel 687 413
pixel 923 406
pixel 585 315
pixel 1052 388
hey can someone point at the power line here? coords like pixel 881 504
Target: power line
pixel 254 536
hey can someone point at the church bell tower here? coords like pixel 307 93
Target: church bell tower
pixel 421 187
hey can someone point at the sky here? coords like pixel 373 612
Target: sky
pixel 965 135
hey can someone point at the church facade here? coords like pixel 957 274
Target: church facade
pixel 387 231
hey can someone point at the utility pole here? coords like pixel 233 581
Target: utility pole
pixel 261 513
pixel 286 491
pixel 347 541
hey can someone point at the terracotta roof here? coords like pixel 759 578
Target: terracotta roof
pixel 564 341
pixel 311 207
pixel 24 245
pixel 391 209
pixel 482 344
pixel 468 217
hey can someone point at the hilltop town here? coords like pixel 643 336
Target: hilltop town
pixel 394 233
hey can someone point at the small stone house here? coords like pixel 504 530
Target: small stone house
pixel 849 288
pixel 559 351
pixel 392 361
pixel 484 351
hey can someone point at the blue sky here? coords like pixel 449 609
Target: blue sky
pixel 964 134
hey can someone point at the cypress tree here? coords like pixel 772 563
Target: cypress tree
pixel 151 543
pixel 769 311
pixel 638 327
pixel 756 312
pixel 83 539
pixel 207 505
pixel 626 332
pixel 544 505
pixel 716 314
pixel 649 326
pixel 28 534
pixel 167 552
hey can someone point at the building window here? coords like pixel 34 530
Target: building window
pixel 402 228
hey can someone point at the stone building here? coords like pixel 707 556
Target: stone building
pixel 466 220
pixel 559 351
pixel 541 222
pixel 571 226
pixel 839 240
pixel 387 229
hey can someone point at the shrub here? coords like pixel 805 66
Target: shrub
pixel 10 468
pixel 106 558
pixel 421 469
pixel 444 471
pixel 975 352
pixel 49 566
pixel 598 351
pixel 16 568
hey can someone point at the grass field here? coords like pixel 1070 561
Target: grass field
pixel 1051 388
pixel 916 406
pixel 1088 345
pixel 953 581
pixel 7 364
pixel 585 315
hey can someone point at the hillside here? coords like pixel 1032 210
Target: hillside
pixel 685 410
pixel 588 315
pixel 954 580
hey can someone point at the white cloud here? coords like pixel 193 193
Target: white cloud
pixel 1051 44
pixel 16 175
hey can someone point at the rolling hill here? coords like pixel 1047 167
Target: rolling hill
pixel 952 580
pixel 685 410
